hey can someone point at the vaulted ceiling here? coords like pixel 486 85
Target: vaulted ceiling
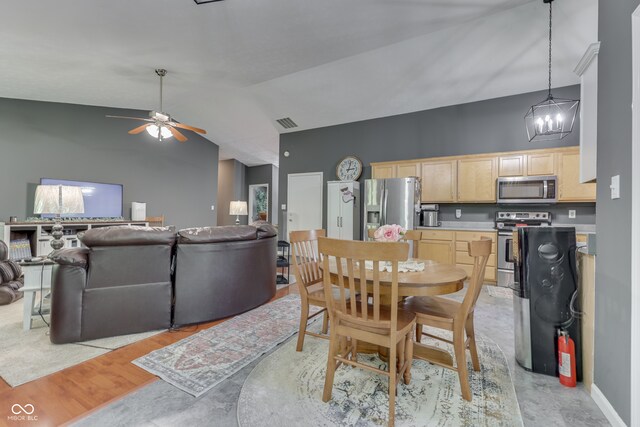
pixel 236 66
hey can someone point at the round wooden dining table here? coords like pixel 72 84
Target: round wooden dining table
pixel 435 279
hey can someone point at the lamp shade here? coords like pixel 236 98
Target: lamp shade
pixel 58 199
pixel 238 207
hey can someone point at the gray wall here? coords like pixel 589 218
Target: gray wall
pixel 231 186
pixel 77 142
pixel 613 263
pixel 478 127
pixel 265 174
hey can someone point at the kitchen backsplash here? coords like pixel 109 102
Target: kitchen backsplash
pixel 585 212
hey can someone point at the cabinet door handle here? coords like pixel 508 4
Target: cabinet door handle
pixel 337 221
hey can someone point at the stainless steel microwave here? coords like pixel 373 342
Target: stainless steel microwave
pixel 527 189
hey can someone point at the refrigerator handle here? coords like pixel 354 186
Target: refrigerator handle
pixel 385 193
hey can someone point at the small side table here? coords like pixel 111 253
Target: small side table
pixel 37 278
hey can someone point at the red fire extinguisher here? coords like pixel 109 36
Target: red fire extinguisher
pixel 566 359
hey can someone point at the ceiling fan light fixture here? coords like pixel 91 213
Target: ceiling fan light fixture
pixel 159 132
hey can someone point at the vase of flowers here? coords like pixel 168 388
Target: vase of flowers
pixel 389 233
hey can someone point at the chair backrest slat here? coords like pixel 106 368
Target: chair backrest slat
pixel 336 254
pixel 480 250
pixel 306 261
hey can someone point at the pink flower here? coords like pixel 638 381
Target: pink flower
pixel 389 233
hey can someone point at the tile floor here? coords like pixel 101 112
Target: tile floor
pixel 543 401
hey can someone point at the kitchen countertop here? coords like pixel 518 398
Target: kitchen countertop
pixel 489 226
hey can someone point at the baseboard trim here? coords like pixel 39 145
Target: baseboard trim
pixel 606 407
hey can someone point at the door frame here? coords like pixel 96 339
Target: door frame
pixel 635 220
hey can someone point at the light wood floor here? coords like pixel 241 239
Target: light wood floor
pixel 74 392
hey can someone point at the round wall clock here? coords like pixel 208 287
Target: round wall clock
pixel 349 169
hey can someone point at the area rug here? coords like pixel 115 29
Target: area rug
pixel 285 389
pixel 29 355
pixel 198 363
pixel 499 292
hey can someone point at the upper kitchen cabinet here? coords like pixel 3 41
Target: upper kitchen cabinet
pixel 439 181
pixel 512 165
pixel 405 170
pixel 477 180
pixel 570 188
pixel 383 171
pixel 395 170
pixel 540 164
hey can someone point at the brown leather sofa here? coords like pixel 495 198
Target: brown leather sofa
pixel 11 279
pixel 122 282
pixel 222 271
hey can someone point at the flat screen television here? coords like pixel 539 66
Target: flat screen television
pixel 100 200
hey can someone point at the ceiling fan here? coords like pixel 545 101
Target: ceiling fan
pixel 160 125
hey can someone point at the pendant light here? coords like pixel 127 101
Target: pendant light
pixel 553 118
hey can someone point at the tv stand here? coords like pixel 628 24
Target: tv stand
pixel 39 233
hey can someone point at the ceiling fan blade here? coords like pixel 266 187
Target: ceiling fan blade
pixel 187 127
pixel 137 130
pixel 132 118
pixel 180 137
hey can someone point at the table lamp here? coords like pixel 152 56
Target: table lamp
pixel 238 208
pixel 58 200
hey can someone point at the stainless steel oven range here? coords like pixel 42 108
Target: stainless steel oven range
pixel 505 223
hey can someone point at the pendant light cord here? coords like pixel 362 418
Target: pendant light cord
pixel 550 16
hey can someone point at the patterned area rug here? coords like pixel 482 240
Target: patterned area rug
pixel 198 363
pixel 292 380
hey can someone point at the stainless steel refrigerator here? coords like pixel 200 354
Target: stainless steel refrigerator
pixel 391 201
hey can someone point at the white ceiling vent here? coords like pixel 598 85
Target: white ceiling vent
pixel 287 123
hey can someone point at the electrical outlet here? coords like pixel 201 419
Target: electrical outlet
pixel 615 187
pixel 458 213
pixel 572 213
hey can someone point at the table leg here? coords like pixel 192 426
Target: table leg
pixel 27 309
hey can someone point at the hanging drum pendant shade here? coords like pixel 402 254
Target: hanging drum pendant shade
pixel 552 118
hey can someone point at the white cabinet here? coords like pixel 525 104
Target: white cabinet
pixel 587 70
pixel 343 210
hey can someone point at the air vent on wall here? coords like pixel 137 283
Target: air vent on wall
pixel 287 123
pixel 205 1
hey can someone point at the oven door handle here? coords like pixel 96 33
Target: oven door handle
pixel 508 256
pixel 545 189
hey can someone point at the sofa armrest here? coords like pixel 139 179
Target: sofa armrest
pixel 76 257
pixel 68 285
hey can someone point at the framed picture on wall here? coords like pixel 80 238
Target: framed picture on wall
pixel 259 202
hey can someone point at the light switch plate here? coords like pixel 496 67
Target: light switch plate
pixel 458 213
pixel 213 208
pixel 572 213
pixel 283 207
pixel 615 187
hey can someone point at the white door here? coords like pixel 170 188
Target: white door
pixel 304 198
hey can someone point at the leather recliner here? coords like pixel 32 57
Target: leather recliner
pixel 222 271
pixel 120 284
pixel 11 279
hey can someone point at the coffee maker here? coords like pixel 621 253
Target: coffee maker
pixel 429 215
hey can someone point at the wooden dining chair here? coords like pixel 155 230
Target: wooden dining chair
pixel 306 270
pixel 454 316
pixel 155 221
pixel 361 320
pixel 410 235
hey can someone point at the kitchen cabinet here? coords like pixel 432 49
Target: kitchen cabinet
pixel 383 171
pixel 464 261
pixel 343 210
pixel 512 165
pixel 439 181
pixel 405 170
pixel 540 164
pixel 570 188
pixel 477 180
pixel 437 250
pixel 395 170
